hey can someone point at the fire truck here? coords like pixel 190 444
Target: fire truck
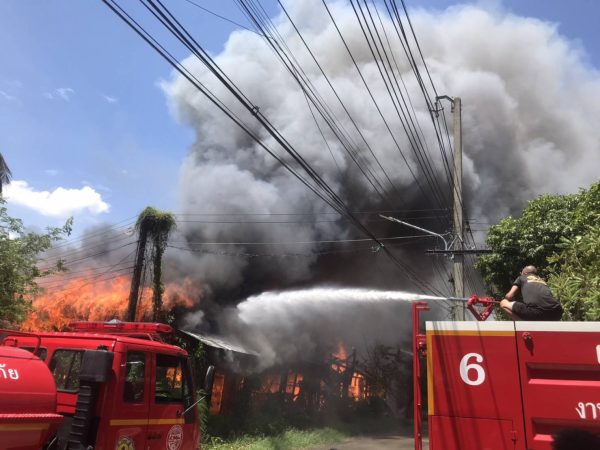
pixel 505 385
pixel 490 385
pixel 113 385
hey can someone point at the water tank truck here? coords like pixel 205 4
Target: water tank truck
pixel 103 386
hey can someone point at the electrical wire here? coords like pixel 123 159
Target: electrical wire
pixel 321 188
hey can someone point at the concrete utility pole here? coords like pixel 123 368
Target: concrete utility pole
pixel 459 289
pixel 137 274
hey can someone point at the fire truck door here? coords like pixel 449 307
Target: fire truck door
pixel 474 397
pixel 129 420
pixel 168 427
pixel 560 377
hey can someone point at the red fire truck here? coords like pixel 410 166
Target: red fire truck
pixel 506 385
pixel 105 386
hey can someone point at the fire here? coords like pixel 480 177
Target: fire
pixel 356 390
pixel 82 299
pixel 356 382
pixel 270 383
pixel 340 359
pixel 292 386
pixel 216 400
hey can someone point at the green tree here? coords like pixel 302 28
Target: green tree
pixel 19 251
pixel 154 225
pixel 575 275
pixel 5 173
pixel 560 236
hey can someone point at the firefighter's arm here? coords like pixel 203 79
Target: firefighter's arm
pixel 508 300
pixel 510 295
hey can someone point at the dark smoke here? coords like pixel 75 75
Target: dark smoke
pixel 530 113
pixel 531 106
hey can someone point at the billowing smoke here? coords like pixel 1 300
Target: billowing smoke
pixel 530 112
pixel 305 324
pixel 531 105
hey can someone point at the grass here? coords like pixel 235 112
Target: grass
pixel 288 440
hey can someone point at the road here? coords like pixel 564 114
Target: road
pixel 374 443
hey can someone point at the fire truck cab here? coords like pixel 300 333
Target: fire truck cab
pixel 118 386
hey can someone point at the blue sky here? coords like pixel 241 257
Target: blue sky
pixel 80 103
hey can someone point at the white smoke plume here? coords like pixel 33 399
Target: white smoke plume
pixel 531 106
pixel 305 324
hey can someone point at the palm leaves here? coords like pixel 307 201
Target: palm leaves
pixel 5 173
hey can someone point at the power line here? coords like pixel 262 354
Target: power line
pixel 112 228
pixel 98 277
pixel 92 255
pixel 333 241
pixel 321 188
pixel 374 101
pixel 378 211
pixel 221 17
pixel 297 222
pixel 380 56
pixel 277 43
pixel 80 250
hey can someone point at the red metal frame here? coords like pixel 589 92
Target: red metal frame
pixel 419 350
pixel 121 327
pixel 7 336
pixel 487 302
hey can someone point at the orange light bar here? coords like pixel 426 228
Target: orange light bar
pixel 122 327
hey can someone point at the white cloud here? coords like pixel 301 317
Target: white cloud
pixel 7 97
pixel 110 99
pixel 61 202
pixel 64 93
pixel 51 172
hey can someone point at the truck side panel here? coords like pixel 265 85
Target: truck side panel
pixel 459 433
pixel 473 386
pixel 560 371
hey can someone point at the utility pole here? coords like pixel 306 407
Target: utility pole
pixel 137 274
pixel 459 289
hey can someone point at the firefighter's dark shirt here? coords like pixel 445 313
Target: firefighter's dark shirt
pixel 535 292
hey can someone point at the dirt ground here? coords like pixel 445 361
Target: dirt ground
pixel 375 443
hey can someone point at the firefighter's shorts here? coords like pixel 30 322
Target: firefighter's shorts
pixel 532 312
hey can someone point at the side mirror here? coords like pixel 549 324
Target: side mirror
pixel 96 366
pixel 209 379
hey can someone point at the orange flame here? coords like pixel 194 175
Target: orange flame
pixel 340 358
pixel 293 385
pixel 270 383
pixel 80 299
pixel 356 390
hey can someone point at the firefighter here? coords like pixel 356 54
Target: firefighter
pixel 537 303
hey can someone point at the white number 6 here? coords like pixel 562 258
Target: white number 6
pixel 465 368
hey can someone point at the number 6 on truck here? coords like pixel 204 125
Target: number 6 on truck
pixel 465 369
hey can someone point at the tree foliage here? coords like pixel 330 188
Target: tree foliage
pixel 19 251
pixel 555 234
pixel 158 225
pixel 575 275
pixel 5 173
